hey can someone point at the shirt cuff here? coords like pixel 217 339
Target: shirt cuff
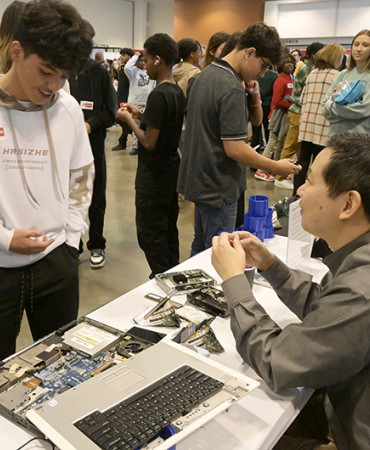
pixel 277 273
pixel 237 290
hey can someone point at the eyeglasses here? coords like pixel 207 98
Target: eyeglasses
pixel 265 64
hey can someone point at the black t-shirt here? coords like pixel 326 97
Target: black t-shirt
pixel 158 168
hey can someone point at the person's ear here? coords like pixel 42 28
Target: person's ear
pixel 15 50
pixel 249 52
pixel 157 61
pixel 352 203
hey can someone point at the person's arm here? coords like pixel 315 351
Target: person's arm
pixel 232 251
pixel 254 103
pixel 243 153
pixel 80 193
pixel 316 353
pixel 233 128
pixel 129 68
pixel 148 138
pixel 26 242
pixel 335 112
pixel 81 176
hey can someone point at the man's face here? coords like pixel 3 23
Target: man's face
pixel 296 56
pixel 253 66
pixel 319 212
pixel 150 64
pixel 33 79
pixel 140 63
pixel 123 59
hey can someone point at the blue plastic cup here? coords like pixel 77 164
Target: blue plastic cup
pixel 258 205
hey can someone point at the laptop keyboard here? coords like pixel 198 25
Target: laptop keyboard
pixel 136 420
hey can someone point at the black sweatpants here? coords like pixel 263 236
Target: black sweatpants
pixel 47 290
pixel 157 233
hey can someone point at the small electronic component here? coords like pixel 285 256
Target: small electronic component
pixel 184 281
pixel 210 300
pixel 89 339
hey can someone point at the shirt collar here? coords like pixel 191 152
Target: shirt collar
pixel 226 66
pixel 334 260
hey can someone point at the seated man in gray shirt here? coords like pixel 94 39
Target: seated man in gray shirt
pixel 330 348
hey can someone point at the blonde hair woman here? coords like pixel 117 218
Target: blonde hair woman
pixel 8 26
pixel 352 117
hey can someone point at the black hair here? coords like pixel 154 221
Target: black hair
pixel 126 51
pixel 56 32
pixel 164 46
pixel 349 167
pixel 186 47
pixel 285 55
pixel 264 39
pixel 313 48
pixel 298 51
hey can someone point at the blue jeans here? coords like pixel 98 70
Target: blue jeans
pixel 211 221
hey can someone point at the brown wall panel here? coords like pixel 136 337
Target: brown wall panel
pixel 199 19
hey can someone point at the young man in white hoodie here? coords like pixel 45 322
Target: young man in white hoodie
pixel 46 171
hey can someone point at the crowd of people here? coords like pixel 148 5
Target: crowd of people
pixel 168 92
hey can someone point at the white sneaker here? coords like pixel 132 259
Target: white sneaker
pixel 97 258
pixel 284 184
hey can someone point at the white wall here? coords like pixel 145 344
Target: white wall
pixel 127 23
pixel 318 18
pixel 160 16
pixel 113 20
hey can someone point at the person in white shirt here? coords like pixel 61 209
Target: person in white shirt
pixel 46 171
pixel 140 87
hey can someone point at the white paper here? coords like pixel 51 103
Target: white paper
pixel 299 241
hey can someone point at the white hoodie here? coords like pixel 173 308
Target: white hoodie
pixel 46 173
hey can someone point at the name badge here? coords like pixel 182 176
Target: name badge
pixel 86 104
pixel 3 133
pixel 290 85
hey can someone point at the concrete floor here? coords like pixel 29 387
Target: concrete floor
pixel 126 266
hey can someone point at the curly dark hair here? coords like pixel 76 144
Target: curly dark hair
pixel 187 46
pixel 126 51
pixel 56 32
pixel 163 45
pixel 349 167
pixel 264 39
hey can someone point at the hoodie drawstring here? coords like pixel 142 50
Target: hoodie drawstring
pixel 53 160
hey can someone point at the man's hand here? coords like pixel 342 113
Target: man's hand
pixel 256 253
pixel 124 115
pixel 29 242
pixel 228 257
pixel 286 167
pixel 253 88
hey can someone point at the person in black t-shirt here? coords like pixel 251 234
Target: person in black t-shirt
pixel 158 162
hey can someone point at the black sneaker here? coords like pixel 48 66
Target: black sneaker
pixel 119 147
pixel 97 258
